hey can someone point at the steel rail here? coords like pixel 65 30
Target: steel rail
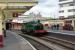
pixel 61 42
pixel 36 44
pixel 51 45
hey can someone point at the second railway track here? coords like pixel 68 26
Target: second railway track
pixel 61 42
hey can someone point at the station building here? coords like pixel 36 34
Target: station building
pixel 67 8
pixel 62 22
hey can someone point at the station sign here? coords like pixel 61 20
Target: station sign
pixel 14 7
pixel 15 14
pixel 19 7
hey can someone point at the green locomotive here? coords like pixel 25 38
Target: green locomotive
pixel 33 28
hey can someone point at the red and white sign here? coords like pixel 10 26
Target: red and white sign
pixel 15 14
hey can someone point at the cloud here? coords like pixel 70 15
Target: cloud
pixel 48 2
pixel 42 1
pixel 48 8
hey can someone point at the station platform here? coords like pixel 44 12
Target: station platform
pixel 72 33
pixel 15 42
pixel 62 34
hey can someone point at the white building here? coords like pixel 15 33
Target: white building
pixel 67 8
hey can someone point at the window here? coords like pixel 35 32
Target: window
pixel 71 16
pixel 61 5
pixel 64 5
pixel 62 11
pixel 71 10
pixel 67 4
pixel 62 0
pixel 68 21
pixel 71 4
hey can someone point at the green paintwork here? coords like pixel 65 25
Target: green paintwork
pixel 33 25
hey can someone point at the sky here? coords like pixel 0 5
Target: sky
pixel 47 8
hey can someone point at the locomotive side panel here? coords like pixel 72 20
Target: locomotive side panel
pixel 34 28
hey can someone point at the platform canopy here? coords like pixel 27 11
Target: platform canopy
pixel 27 19
pixel 17 0
pixel 17 3
pixel 21 20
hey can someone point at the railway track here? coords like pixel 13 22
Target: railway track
pixel 46 43
pixel 36 44
pixel 49 43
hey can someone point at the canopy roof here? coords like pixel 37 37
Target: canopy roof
pixel 18 1
pixel 27 19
